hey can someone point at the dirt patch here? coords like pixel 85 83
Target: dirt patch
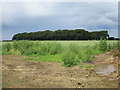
pixel 109 57
pixel 29 74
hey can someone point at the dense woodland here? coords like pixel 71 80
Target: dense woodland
pixel 77 34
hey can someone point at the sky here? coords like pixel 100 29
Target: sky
pixel 31 17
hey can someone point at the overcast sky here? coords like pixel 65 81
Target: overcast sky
pixel 31 17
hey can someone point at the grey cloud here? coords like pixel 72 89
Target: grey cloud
pixel 27 17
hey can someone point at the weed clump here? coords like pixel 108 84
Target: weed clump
pixel 6 48
pixel 55 48
pixel 50 48
pixel 70 59
pixel 24 47
pixel 74 48
pixel 103 45
pixel 15 45
pixel 86 54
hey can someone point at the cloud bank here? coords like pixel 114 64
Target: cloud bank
pixel 30 17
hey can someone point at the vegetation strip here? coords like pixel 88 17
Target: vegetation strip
pixel 70 54
pixel 77 34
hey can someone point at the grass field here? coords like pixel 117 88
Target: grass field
pixel 69 52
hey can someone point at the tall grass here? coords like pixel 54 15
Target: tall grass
pixel 77 54
pixel 70 59
pixel 103 45
pixel 25 47
pixel 6 48
pixel 71 53
pixel 29 48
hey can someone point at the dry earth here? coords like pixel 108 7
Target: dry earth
pixel 30 74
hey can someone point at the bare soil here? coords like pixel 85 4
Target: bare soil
pixel 30 74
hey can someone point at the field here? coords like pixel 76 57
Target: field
pixel 59 63
pixel 70 52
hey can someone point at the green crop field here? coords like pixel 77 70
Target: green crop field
pixel 81 43
pixel 68 52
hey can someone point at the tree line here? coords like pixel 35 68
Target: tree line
pixel 77 34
